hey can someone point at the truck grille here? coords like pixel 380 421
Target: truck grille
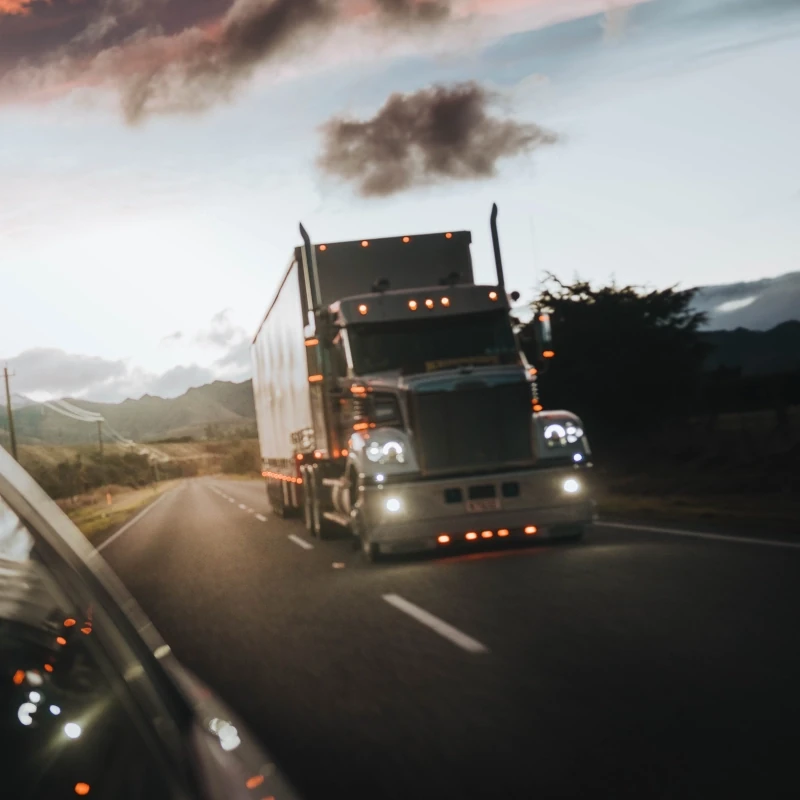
pixel 474 427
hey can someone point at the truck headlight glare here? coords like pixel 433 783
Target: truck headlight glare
pixel 571 486
pixel 386 453
pixel 393 505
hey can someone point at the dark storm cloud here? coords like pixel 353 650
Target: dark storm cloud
pixel 434 135
pixel 166 56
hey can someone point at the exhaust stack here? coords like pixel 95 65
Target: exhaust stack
pixel 311 272
pixel 498 258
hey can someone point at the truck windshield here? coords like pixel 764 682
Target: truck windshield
pixel 426 345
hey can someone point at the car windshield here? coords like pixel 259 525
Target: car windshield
pixel 67 724
pixel 426 345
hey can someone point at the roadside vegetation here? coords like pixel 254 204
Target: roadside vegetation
pixel 101 492
pixel 673 440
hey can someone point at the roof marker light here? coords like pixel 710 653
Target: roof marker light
pixel 493 295
pixel 365 243
pixel 446 302
pixel 412 304
pixel 362 309
pixel 429 303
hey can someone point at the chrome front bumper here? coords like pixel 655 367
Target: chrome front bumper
pixel 412 515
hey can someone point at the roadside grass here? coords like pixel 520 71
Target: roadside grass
pixel 777 512
pixel 97 516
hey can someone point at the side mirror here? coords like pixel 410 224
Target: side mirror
pixel 514 296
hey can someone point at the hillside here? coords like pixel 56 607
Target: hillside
pixel 756 352
pixel 228 407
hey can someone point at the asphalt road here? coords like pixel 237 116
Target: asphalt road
pixel 636 664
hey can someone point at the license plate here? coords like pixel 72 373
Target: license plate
pixel 490 504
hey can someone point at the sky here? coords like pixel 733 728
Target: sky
pixel 156 157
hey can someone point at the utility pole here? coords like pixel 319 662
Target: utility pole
pixel 100 436
pixel 11 430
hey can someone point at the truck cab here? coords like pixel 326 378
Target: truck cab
pixel 426 428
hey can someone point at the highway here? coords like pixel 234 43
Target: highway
pixel 636 664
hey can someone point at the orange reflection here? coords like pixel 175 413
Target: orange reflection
pixel 61 640
pixel 68 623
pixel 87 630
pixel 344 452
pixel 361 426
pixel 19 676
pixel 82 788
pixel 254 782
pixel 48 667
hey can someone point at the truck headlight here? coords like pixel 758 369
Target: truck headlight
pixel 558 434
pixel 571 486
pixel 385 453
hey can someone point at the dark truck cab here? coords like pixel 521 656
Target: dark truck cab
pixel 424 426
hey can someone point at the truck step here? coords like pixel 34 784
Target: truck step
pixel 339 519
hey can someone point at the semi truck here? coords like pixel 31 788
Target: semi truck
pixel 393 401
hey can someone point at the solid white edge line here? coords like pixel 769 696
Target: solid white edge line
pixel 301 542
pixel 261 518
pixel 434 623
pixel 132 522
pixel 697 535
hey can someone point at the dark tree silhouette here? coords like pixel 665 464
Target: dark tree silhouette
pixel 626 359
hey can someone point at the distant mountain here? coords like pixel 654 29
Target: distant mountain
pixel 227 406
pixel 755 305
pixel 756 352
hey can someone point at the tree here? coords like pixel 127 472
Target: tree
pixel 626 359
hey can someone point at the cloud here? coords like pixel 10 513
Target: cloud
pixel 221 332
pixel 172 338
pixel 176 381
pixel 12 7
pixel 756 305
pixel 199 64
pixel 49 372
pixel 415 11
pixel 48 369
pixel 431 136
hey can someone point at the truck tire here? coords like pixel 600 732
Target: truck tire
pixel 370 550
pixel 275 497
pixel 322 528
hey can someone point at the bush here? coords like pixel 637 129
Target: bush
pixel 242 460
